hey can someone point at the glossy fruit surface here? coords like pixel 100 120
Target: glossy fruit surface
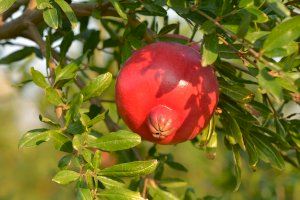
pixel 164 94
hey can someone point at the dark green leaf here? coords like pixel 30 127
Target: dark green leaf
pixel 168 28
pixel 65 161
pixel 154 9
pixel 176 165
pixel 75 105
pixel 66 43
pixel 17 55
pixel 237 167
pixel 61 142
pixel 279 8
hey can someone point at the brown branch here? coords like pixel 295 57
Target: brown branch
pixel 13 28
pixel 13 9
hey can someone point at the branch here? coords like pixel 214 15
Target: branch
pixel 15 27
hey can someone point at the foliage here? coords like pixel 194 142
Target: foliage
pixel 253 46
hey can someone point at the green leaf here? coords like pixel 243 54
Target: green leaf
pixel 176 165
pixel 237 167
pixel 43 4
pixel 236 92
pixel 84 194
pixel 119 194
pixel 260 16
pixel 209 49
pixel 50 16
pixel 283 51
pixel 47 121
pixel 5 5
pixel 116 141
pixel 97 119
pixel 75 105
pixel 53 96
pixel 17 55
pixel 39 79
pixel 244 23
pixel 172 182
pixel 159 194
pixel 266 149
pixel 278 7
pixel 110 183
pixel 168 28
pixel 251 150
pixel 154 8
pixel 65 161
pixel 34 138
pixel 66 8
pixel 246 3
pixel 116 4
pixel 270 84
pixel 232 130
pixel 66 43
pixel 208 27
pixel 61 142
pixel 97 86
pixel 283 34
pixel 65 177
pixel 136 168
pixel 96 159
pixel 66 73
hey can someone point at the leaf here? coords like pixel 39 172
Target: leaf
pixel 236 92
pixel 34 137
pixel 176 165
pixel 43 4
pixel 84 194
pixel 116 141
pixel 97 119
pixel 66 43
pixel 251 150
pixel 5 5
pixel 119 194
pixel 283 51
pixel 154 9
pixel 283 34
pixel 136 168
pixel 168 28
pixel 96 160
pixel 97 86
pixel 65 176
pixel 61 142
pixel 17 55
pixel 246 3
pixel 66 73
pixel 278 8
pixel 232 129
pixel 266 149
pixel 116 4
pixel 237 167
pixel 159 194
pixel 110 183
pixel 270 84
pixel 172 182
pixel 209 49
pixel 50 16
pixel 208 27
pixel 39 79
pixel 244 23
pixel 47 121
pixel 66 8
pixel 65 161
pixel 75 105
pixel 53 96
pixel 260 16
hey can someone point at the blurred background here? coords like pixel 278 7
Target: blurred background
pixel 27 173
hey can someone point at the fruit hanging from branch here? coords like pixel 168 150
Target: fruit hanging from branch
pixel 164 94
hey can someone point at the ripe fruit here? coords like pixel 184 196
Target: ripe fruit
pixel 164 94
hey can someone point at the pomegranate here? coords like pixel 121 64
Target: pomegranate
pixel 164 94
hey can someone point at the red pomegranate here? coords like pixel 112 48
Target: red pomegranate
pixel 164 94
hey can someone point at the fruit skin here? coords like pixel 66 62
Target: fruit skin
pixel 167 80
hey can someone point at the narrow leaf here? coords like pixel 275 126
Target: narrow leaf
pixel 39 79
pixel 50 16
pixel 66 8
pixel 210 49
pixel 65 176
